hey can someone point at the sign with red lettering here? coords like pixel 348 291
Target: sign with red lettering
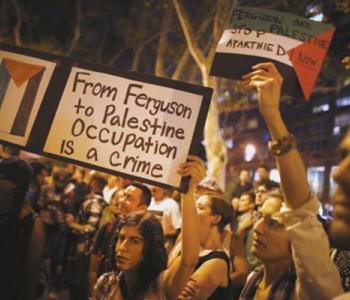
pixel 133 125
pixel 295 44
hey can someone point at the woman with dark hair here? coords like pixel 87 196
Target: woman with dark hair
pixel 141 265
pixel 141 260
pixel 211 277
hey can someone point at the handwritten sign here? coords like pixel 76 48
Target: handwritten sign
pixel 120 122
pixel 297 45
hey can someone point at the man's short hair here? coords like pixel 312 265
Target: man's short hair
pixel 16 170
pixel 250 194
pixel 275 193
pixel 263 166
pixel 100 180
pixel 146 193
pixel 38 167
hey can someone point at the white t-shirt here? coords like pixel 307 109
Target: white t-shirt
pixel 168 212
pixel 108 193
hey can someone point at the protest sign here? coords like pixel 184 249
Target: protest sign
pixel 295 44
pixel 124 123
pixel 23 83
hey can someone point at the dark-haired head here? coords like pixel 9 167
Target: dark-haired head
pixel 219 207
pixel 154 257
pixel 18 171
pixel 264 173
pixel 97 182
pixel 40 171
pixel 146 193
pixel 265 167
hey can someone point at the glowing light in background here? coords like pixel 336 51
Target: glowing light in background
pixel 249 152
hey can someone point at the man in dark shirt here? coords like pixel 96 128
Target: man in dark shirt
pixel 244 185
pixel 264 178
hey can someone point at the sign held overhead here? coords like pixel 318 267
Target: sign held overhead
pixel 120 122
pixel 295 44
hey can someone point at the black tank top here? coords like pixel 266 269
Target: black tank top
pixel 221 293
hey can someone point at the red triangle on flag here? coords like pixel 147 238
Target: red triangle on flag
pixel 307 60
pixel 20 72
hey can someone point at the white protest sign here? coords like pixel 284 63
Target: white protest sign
pixel 244 42
pixel 133 127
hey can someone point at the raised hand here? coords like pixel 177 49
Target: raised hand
pixel 193 167
pixel 268 81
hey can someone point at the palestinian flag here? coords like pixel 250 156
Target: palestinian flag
pixel 19 84
pixel 295 44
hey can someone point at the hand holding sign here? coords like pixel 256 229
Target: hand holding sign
pixel 128 124
pixel 296 45
pixel 195 168
pixel 268 81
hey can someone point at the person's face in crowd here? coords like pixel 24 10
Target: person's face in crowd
pixel 60 179
pixel 260 195
pixel 131 201
pixel 244 176
pixel 270 240
pixel 122 182
pixel 158 193
pixel 235 203
pixel 205 214
pixel 263 174
pixel 78 175
pixel 340 226
pixel 244 204
pixel 95 186
pixel 111 181
pixel 129 248
pixel 71 169
pixel 115 202
pixel 41 178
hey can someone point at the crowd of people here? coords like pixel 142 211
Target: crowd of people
pixel 102 236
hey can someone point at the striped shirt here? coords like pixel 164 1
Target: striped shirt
pixel 89 215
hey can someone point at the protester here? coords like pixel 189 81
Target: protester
pixel 135 198
pixel 111 211
pixel 264 178
pixel 168 212
pixel 244 185
pixel 56 199
pixel 211 276
pixel 260 195
pixel 21 233
pixel 84 227
pixel 287 243
pixel 32 247
pixel 39 180
pixel 247 216
pixel 340 225
pixel 141 260
pixel 110 188
pixel 81 181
